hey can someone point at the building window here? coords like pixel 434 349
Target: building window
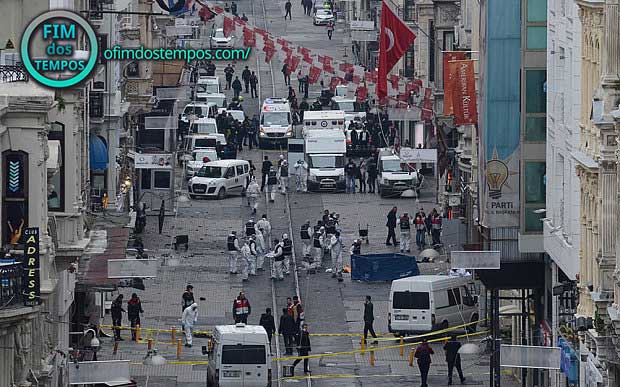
pixel 161 179
pixel 533 221
pixel 536 10
pixel 409 10
pixel 14 196
pixel 535 181
pixel 431 51
pixel 535 129
pixel 536 38
pixel 409 65
pixel 145 179
pixel 102 40
pixel 448 41
pixel 56 183
pixel 535 91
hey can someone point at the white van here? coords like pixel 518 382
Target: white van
pixel 202 139
pixel 198 110
pixel 240 356
pixel 198 159
pixel 207 85
pixel 323 119
pixel 325 153
pixel 276 122
pixel 219 99
pixel 425 303
pixel 219 179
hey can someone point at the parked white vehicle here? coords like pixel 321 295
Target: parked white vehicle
pixel 395 176
pixel 323 119
pixel 195 110
pixel 325 154
pixel 204 139
pixel 219 179
pixel 219 40
pixel 276 122
pixel 322 17
pixel 240 356
pixel 425 303
pixel 219 99
pixel 238 115
pixel 207 85
pixel 199 158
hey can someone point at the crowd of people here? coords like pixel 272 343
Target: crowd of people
pixel 424 225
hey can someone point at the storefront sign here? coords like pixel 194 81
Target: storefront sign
pixel 32 280
pixel 153 161
pixel 362 25
pixel 462 84
pixel 415 155
pixel 130 268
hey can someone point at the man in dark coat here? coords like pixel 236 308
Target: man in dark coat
pixel 453 358
pixel 287 8
pixel 245 75
pixel 369 318
pixel 229 71
pixel 253 82
pixel 117 316
pixel 423 354
pixel 236 86
pixel 265 171
pixel 267 322
pixel 372 174
pixel 391 225
pixel 303 348
pixel 287 329
pixel 188 297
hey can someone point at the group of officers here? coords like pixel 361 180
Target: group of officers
pixel 324 239
pixel 248 254
pixel 257 245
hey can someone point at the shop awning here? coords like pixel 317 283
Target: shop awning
pixel 53 160
pixel 105 244
pixel 98 154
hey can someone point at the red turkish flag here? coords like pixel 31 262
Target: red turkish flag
pixel 361 93
pixel 293 62
pixel 335 82
pixel 303 51
pixel 394 41
pixel 314 74
pixel 328 68
pixel 269 52
pixel 228 26
pixel 249 39
pixel 308 59
pixel 394 81
pixel 218 9
pixel 238 20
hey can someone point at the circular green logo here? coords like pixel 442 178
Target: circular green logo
pixel 61 33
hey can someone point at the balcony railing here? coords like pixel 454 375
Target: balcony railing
pixel 95 105
pixel 13 73
pixel 10 284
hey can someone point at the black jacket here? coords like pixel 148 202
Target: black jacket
pixel 287 325
pixel 134 308
pixel 350 169
pixel 266 166
pixel 236 85
pixel 303 343
pixel 391 219
pixel 267 322
pixel 188 299
pixel 369 315
pixel 117 309
pixel 452 350
pixel 245 75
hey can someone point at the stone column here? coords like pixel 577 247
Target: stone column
pixel 611 48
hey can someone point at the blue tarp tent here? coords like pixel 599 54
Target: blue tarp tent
pixel 382 267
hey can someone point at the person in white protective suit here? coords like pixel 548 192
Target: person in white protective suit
pixel 232 245
pixel 188 320
pixel 335 248
pixel 253 193
pixel 261 248
pixel 253 255
pixel 305 233
pixel 301 176
pixel 245 261
pixel 319 242
pixel 277 272
pixel 283 176
pixel 264 224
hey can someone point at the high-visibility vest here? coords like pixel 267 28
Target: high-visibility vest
pixel 404 223
pixel 242 306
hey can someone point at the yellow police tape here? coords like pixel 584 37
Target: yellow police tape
pixel 352 376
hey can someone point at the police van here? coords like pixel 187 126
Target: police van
pixel 323 119
pixel 276 122
pixel 239 356
pixel 220 179
pixel 426 303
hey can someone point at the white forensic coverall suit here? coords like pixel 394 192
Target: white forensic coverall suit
pixel 261 248
pixel 188 320
pixel 301 176
pixel 245 264
pixel 253 193
pixel 335 247
pixel 264 224
pixel 252 258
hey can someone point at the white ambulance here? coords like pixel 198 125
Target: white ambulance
pixel 240 356
pixel 276 122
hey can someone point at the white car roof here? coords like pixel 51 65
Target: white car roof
pixel 276 105
pixel 324 115
pixel 205 120
pixel 205 80
pixel 224 329
pixel 226 163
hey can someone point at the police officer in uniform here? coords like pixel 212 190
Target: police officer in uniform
pixel 278 261
pixel 405 232
pixel 283 175
pixel 305 233
pixel 232 244
pixel 287 248
pixel 272 181
pixel 318 242
pixel 250 228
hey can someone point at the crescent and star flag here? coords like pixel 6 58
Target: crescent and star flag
pixel 249 39
pixel 394 41
pixel 448 79
pixel 314 74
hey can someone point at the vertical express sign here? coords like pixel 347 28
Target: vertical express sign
pixel 32 280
